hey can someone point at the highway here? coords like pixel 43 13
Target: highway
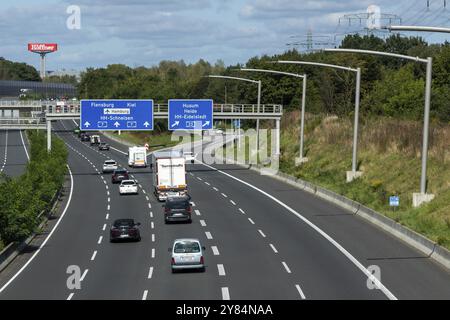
pixel 13 155
pixel 264 239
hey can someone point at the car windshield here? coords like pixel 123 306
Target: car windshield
pixel 187 247
pixel 124 223
pixel 128 183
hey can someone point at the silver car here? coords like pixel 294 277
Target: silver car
pixel 187 254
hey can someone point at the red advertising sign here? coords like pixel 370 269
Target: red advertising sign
pixel 42 47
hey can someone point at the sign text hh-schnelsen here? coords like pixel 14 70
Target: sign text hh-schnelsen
pixel 116 115
pixel 190 114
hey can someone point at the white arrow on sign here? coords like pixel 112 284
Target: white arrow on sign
pixel 146 124
pixel 87 124
pixel 206 124
pixel 175 124
pixel 116 124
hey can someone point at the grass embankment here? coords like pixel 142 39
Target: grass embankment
pixel 23 198
pixel 389 155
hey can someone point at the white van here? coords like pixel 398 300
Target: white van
pixel 137 157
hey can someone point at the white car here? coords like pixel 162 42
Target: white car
pixel 109 166
pixel 187 254
pixel 189 156
pixel 128 187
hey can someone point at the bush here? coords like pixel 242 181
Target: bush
pixel 24 197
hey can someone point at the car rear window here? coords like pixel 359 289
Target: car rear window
pixel 124 223
pixel 177 204
pixel 128 183
pixel 120 172
pixel 110 162
pixel 187 247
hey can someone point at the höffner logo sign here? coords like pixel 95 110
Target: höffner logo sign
pixel 42 47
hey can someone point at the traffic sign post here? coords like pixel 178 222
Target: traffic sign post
pixel 394 201
pixel 190 114
pixel 112 115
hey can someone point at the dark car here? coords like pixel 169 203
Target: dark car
pixel 119 175
pixel 85 137
pixel 103 146
pixel 177 209
pixel 124 229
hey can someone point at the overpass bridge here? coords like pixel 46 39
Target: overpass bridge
pixel 24 115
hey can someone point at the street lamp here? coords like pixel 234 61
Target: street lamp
pixel 351 175
pixel 418 198
pixel 258 82
pixel 301 159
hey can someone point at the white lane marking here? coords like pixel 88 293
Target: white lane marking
pixel 262 233
pixel 150 205
pixel 203 223
pixel 143 191
pixel 150 273
pixel 6 152
pixel 215 189
pixel 93 255
pixel 107 216
pixel 151 214
pixel 273 248
pixel 197 212
pixel 24 146
pixel 191 173
pixel 207 183
pixel 108 207
pixel 302 295
pixel 104 227
pixel 70 296
pixel 107 193
pixel 104 181
pixel 153 253
pixel 193 203
pixel 199 178
pixel 242 211
pixel 109 199
pixel 221 269
pixel 215 250
pixel 140 186
pixel 152 225
pixel 107 188
pixel 146 197
pixel 48 237
pixel 153 237
pixel 349 256
pixel 225 293
pixel 223 194
pixel 100 240
pixel 286 267
pixel 84 274
pixel 208 235
pixel 232 202
pixel 251 221
pixel 144 296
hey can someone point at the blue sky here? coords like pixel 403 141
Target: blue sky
pixel 144 32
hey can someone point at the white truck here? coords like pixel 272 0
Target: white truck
pixel 169 174
pixel 137 157
pixel 95 140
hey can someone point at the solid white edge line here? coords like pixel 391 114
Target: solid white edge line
pixel 347 254
pixel 225 293
pixel 48 237
pixel 302 295
pixel 24 146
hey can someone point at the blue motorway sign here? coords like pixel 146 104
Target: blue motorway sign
pixel 394 201
pixel 190 114
pixel 116 115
